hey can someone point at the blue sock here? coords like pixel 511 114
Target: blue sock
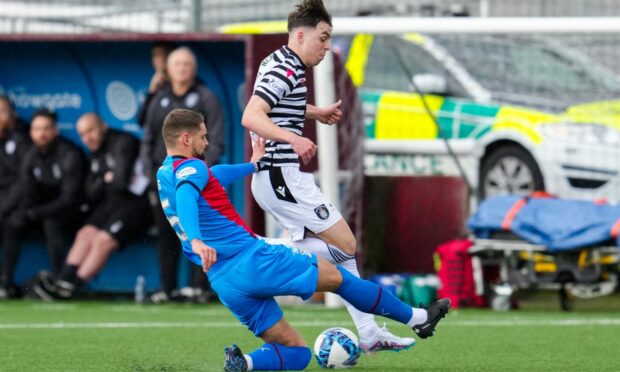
pixel 370 298
pixel 277 357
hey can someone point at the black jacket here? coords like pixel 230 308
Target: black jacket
pixel 13 148
pixel 51 182
pixel 117 154
pixel 198 98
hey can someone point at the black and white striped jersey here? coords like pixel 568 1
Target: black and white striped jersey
pixel 281 82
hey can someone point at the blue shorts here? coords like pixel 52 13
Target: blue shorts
pixel 247 282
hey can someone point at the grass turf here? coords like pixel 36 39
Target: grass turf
pixel 118 336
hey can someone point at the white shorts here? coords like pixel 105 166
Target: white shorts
pixel 295 201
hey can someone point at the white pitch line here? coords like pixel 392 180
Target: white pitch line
pixel 457 323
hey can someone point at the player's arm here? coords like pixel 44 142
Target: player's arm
pixel 268 92
pixel 229 173
pixel 191 177
pixel 255 119
pixel 327 115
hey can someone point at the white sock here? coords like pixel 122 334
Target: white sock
pixel 248 360
pixel 419 316
pixel 365 323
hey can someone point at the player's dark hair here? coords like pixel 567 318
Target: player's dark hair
pixel 166 46
pixel 46 113
pixel 308 13
pixel 179 121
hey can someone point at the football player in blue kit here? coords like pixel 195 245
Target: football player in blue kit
pixel 245 271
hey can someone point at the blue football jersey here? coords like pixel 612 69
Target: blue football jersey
pixel 219 225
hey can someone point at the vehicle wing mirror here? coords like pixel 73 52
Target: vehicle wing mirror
pixel 430 83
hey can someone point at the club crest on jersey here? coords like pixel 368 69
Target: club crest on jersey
pixel 322 212
pixel 289 72
pixel 186 172
pixel 192 99
pixel 10 147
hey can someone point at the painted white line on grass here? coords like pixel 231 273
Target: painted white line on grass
pixel 457 323
pixel 524 322
pixel 117 325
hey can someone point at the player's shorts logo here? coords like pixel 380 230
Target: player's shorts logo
pixel 322 212
pixel 279 185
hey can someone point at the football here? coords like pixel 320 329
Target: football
pixel 336 348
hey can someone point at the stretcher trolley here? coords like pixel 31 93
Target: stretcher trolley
pixel 545 243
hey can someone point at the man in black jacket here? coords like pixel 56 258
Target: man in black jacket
pixel 183 91
pixel 49 193
pixel 120 210
pixel 13 147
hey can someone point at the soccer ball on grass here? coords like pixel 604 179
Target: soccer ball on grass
pixel 336 348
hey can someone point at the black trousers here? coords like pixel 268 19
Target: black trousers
pixel 56 234
pixel 169 250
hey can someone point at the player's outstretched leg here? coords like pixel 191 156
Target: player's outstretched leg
pixel 372 337
pixel 369 297
pixel 235 361
pixel 436 311
pixel 271 356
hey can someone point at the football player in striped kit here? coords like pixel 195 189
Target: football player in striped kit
pixel 277 111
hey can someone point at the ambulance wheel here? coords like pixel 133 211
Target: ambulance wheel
pixel 509 169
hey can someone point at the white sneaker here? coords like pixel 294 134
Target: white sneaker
pixel 384 340
pixel 159 297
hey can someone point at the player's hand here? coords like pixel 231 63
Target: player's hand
pixel 330 114
pixel 208 255
pixel 157 81
pixel 258 148
pixel 108 177
pixel 303 147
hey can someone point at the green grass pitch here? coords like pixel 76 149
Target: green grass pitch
pixel 121 336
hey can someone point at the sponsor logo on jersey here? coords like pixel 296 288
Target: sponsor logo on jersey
pixel 322 212
pixel 275 87
pixel 164 102
pixel 186 172
pixel 173 220
pixel 289 72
